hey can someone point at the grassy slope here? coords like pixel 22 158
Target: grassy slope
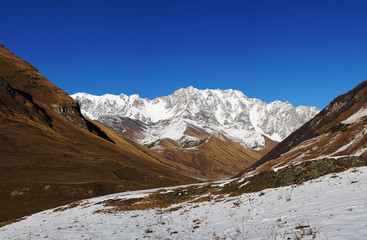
pixel 50 159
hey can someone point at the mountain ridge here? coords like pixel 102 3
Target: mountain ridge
pixel 339 129
pixel 225 111
pixel 215 131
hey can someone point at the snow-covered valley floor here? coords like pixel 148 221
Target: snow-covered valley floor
pixel 330 207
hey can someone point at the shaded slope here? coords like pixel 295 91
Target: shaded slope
pixel 14 102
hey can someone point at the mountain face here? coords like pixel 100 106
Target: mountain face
pixel 191 115
pixel 214 132
pixel 50 154
pixel 339 130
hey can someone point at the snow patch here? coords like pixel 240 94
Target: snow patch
pixel 355 117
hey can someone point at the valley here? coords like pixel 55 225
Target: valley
pixel 198 164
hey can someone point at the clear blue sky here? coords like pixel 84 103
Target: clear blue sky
pixel 304 51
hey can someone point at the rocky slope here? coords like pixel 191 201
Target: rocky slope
pixel 338 130
pixel 52 155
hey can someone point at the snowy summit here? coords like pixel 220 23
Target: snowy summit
pixel 218 112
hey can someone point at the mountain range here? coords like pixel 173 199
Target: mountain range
pixel 227 113
pixel 214 132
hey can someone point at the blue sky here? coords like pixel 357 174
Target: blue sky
pixel 304 52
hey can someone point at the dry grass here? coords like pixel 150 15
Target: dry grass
pixel 268 179
pixel 292 175
pixel 215 159
pixel 70 206
pixel 160 199
pixel 219 198
pixel 202 199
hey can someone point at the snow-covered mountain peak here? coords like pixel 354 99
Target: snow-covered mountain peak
pixel 229 112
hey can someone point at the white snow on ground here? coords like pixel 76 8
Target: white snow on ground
pixel 254 118
pixel 331 207
pixel 355 117
pixel 351 142
pixel 246 138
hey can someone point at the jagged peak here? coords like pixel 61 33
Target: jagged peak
pixel 227 111
pixel 190 90
pixel 135 96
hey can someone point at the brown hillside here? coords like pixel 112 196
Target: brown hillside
pixel 329 134
pixel 207 157
pixel 51 155
pixel 213 158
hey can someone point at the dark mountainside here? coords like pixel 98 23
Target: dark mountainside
pixel 51 155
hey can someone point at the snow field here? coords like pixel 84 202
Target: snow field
pixel 330 207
